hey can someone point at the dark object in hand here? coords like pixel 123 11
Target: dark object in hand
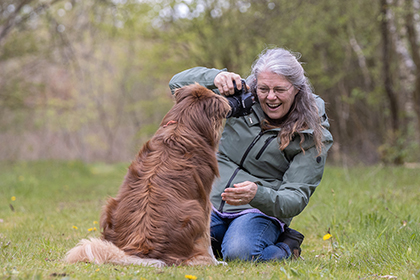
pixel 240 102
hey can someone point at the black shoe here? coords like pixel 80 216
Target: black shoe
pixel 293 239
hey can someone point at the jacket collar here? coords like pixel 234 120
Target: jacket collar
pixel 257 116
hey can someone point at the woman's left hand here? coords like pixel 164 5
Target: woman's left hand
pixel 240 194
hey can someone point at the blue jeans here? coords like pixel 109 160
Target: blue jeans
pixel 248 237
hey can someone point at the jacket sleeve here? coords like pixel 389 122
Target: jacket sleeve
pixel 202 75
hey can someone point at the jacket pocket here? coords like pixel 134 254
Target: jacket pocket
pixel 267 142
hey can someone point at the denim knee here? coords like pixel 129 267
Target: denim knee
pixel 239 248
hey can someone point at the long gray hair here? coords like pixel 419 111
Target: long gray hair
pixel 304 113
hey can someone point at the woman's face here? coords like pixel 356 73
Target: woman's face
pixel 276 94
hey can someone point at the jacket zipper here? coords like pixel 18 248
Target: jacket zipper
pixel 267 142
pixel 222 204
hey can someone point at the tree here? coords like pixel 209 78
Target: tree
pixel 94 73
pixel 413 40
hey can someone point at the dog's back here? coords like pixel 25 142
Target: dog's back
pixel 162 206
pixel 162 210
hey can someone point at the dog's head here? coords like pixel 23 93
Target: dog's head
pixel 199 109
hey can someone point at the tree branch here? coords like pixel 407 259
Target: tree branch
pixel 11 22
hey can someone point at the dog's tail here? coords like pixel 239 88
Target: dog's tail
pixel 101 251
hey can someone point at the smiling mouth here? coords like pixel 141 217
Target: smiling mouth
pixel 273 106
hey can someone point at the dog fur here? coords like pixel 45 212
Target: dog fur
pixel 161 215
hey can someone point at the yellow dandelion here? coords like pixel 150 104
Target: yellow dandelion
pixel 97 270
pixel 13 198
pixel 192 277
pixel 90 229
pixel 94 228
pixel 95 222
pixel 327 236
pixel 75 227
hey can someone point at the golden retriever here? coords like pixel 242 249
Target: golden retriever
pixel 161 215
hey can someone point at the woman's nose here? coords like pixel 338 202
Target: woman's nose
pixel 271 94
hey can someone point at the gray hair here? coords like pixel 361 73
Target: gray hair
pixel 304 113
pixel 281 62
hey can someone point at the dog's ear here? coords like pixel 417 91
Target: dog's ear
pixel 179 94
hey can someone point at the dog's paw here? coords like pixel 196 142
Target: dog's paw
pixel 157 263
pixel 143 261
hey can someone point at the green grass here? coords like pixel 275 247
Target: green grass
pixel 373 214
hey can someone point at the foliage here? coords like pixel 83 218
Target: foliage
pixel 93 74
pixel 371 214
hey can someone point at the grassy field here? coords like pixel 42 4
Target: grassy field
pixel 372 213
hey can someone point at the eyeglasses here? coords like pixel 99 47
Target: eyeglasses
pixel 264 90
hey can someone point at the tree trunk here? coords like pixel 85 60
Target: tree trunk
pixel 393 150
pixel 415 52
pixel 393 100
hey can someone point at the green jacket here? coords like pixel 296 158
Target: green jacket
pixel 286 179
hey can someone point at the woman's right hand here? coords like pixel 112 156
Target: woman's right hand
pixel 224 82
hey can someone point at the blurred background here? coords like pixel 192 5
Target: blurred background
pixel 88 79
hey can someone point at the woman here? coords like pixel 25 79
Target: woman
pixel 270 160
